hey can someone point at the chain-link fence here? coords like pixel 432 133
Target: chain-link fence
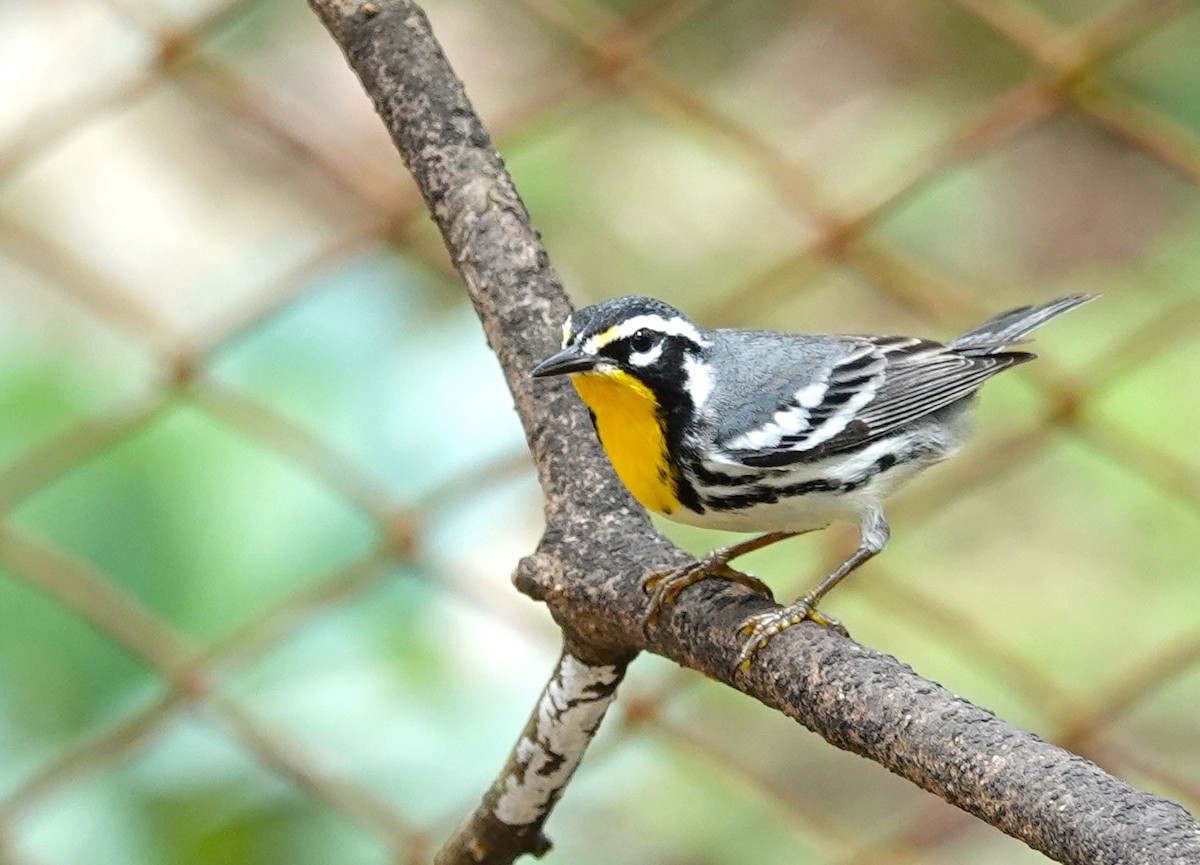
pixel 263 487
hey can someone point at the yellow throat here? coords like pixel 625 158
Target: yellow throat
pixel 627 423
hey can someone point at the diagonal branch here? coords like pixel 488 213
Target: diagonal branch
pixel 598 545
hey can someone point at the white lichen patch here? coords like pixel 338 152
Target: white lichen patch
pixel 568 714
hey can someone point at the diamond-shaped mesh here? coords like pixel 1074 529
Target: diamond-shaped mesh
pixel 263 486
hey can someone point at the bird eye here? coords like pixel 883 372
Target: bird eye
pixel 641 341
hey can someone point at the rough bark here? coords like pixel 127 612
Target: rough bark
pixel 598 545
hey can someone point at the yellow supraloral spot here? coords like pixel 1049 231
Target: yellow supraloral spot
pixel 627 423
pixel 598 341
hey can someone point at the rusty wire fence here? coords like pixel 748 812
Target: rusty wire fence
pixel 263 489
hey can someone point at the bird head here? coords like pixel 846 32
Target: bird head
pixel 641 337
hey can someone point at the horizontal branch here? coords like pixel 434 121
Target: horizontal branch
pixel 598 546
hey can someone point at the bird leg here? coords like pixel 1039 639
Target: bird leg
pixel 760 628
pixel 664 587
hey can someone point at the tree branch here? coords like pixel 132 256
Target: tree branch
pixel 599 546
pixel 509 819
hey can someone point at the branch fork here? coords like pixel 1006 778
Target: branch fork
pixel 599 547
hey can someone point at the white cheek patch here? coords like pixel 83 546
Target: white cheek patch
pixel 647 357
pixel 699 380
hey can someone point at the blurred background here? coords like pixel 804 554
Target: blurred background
pixel 263 487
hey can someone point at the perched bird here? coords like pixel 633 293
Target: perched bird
pixel 758 431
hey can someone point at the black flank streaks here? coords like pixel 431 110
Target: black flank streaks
pixel 762 494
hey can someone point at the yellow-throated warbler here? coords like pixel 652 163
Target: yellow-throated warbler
pixel 757 431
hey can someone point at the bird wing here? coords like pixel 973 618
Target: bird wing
pixel 877 385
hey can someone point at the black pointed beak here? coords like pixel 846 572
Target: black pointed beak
pixel 570 359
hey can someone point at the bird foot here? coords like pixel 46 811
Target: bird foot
pixel 762 627
pixel 665 587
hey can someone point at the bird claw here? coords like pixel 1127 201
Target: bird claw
pixel 665 587
pixel 762 627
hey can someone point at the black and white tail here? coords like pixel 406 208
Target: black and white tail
pixel 1007 328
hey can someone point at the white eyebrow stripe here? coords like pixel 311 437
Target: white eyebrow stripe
pixel 566 332
pixel 674 326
